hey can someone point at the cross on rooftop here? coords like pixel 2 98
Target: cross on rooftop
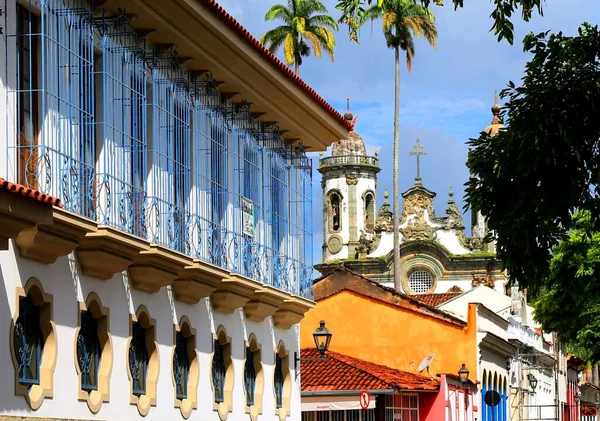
pixel 418 150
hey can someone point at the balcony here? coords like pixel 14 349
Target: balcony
pixel 160 174
pixel 351 160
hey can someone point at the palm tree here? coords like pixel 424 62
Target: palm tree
pixel 301 27
pixel 403 20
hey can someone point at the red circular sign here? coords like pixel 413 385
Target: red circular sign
pixel 365 399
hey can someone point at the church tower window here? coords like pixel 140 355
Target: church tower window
pixel 369 212
pixel 335 217
pixel 420 282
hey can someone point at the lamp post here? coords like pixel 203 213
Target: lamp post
pixel 322 337
pixel 532 381
pixel 463 374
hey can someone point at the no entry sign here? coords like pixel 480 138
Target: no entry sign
pixel 364 399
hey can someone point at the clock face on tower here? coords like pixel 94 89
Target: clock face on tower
pixel 335 244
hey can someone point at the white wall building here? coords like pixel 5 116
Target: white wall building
pixel 155 235
pixel 513 348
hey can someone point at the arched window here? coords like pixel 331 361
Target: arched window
pixel 484 389
pixel 28 342
pixel 249 377
pixel 278 381
pixel 335 212
pixel 218 372
pixel 138 359
pixel 253 378
pixel 88 351
pixel 185 367
pixel 93 353
pixel 369 212
pixel 222 373
pixel 282 382
pixel 181 365
pixel 33 344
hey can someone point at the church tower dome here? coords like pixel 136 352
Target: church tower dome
pixel 479 228
pixel 496 124
pixel 349 182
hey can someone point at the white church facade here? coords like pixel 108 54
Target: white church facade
pixel 436 255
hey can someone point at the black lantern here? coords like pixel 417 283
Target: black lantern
pixel 532 381
pixel 322 337
pixel 463 374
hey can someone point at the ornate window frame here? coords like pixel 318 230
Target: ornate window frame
pixel 226 406
pixel 425 263
pixel 330 210
pixel 36 393
pixel 95 398
pixel 259 384
pixel 284 411
pixel 147 400
pixel 187 405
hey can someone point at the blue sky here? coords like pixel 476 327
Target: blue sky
pixel 444 101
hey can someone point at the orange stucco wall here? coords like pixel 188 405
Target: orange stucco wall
pixel 371 330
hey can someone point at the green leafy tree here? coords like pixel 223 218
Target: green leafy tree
pixel 403 21
pixel 301 27
pixel 570 303
pixel 354 10
pixel 530 178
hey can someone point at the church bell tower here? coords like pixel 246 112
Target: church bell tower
pixel 349 183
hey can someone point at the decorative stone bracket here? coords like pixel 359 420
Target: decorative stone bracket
pixel 156 267
pixel 291 311
pixel 197 281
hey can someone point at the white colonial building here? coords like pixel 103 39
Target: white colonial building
pixel 155 208
pixel 516 359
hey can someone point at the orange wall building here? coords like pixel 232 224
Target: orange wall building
pixel 375 323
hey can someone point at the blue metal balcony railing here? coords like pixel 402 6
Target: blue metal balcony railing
pixel 132 140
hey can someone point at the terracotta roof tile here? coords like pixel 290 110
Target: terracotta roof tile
pixel 29 192
pixel 341 372
pixel 435 300
pixel 216 9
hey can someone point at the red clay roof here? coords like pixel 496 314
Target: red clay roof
pixel 341 372
pixel 29 192
pixel 435 300
pixel 218 11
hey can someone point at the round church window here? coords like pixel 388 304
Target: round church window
pixel 420 281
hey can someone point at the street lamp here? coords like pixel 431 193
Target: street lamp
pixel 322 337
pixel 532 381
pixel 463 374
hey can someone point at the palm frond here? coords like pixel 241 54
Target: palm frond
pixel 315 43
pixel 322 20
pixel 327 40
pixel 275 34
pixel 288 48
pixel 279 11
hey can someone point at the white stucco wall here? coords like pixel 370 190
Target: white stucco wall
pixel 68 286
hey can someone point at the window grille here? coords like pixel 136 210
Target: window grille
pixel 181 366
pixel 88 351
pixel 278 381
pixel 249 377
pixel 121 91
pixel 170 153
pixel 404 407
pixel 28 342
pixel 138 359
pixel 54 94
pixel 218 372
pixel 420 281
